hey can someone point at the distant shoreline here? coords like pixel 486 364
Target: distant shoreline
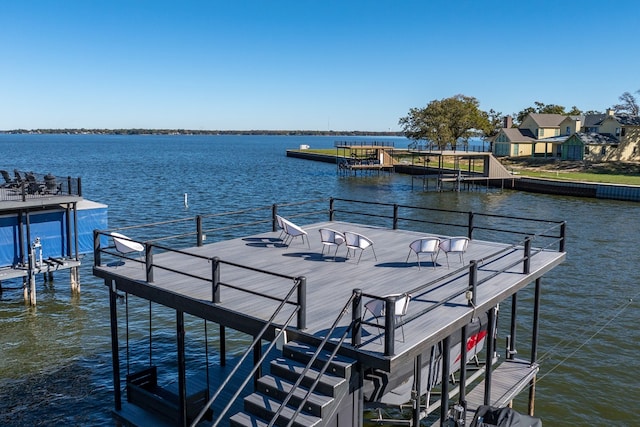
pixel 197 132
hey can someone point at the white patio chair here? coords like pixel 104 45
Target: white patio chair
pixel 377 308
pixel 330 238
pixel 355 241
pixel 292 231
pixel 426 245
pixel 456 245
pixel 125 245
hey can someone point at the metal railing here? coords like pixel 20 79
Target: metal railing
pixel 312 362
pixel 391 324
pixel 30 185
pixel 231 225
pixel 255 342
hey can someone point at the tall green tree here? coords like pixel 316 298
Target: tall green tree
pixel 446 121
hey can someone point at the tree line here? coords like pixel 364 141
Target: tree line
pixel 200 132
pixel 446 122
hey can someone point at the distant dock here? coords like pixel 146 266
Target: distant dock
pixel 41 220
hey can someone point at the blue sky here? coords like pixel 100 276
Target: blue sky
pixel 313 65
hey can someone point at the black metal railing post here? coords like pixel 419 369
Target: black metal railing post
pixel 473 283
pixel 563 235
pixel 302 302
pixel 215 279
pixel 79 187
pixel 274 221
pixel 511 349
pixel 199 230
pixel 69 185
pixel 470 226
pixel 149 261
pixel 331 209
pixel 96 248
pixel 489 355
pixel 389 325
pixel 356 335
pixel 527 255
pixel 395 216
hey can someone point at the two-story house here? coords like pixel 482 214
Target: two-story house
pixel 537 135
pixel 605 137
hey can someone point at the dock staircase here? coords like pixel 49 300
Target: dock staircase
pixel 330 403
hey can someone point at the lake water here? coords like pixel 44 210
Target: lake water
pixel 55 359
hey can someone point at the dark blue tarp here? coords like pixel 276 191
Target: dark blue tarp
pixel 51 227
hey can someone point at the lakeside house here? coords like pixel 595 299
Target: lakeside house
pixel 593 137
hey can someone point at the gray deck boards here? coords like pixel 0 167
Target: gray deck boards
pixel 330 281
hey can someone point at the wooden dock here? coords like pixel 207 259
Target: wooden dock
pixel 245 297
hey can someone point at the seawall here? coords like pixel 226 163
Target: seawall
pixel 533 185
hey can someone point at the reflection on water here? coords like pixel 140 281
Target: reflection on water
pixel 55 360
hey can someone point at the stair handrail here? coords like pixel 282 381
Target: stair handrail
pixel 250 348
pixel 319 349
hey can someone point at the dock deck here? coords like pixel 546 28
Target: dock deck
pixel 330 282
pixel 240 282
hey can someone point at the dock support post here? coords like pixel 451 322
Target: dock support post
pixel 511 351
pixel 462 395
pixel 199 230
pixel 31 298
pixel 257 355
pixel 331 209
pixel 215 279
pixel 302 302
pixel 473 282
pixel 356 334
pixel 223 346
pixel 182 378
pixel 444 399
pixel 534 345
pixel 115 353
pixel 527 255
pixel 395 216
pixel 75 280
pixel 274 220
pixel 148 261
pixel 390 326
pixel 417 389
pixel 96 248
pixel 489 358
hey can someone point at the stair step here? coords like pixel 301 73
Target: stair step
pixel 291 370
pixel 266 407
pixel 242 419
pixel 279 388
pixel 302 352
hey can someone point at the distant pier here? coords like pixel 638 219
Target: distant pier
pixel 39 229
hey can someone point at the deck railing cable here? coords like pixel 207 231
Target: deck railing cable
pixel 250 348
pixel 312 361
